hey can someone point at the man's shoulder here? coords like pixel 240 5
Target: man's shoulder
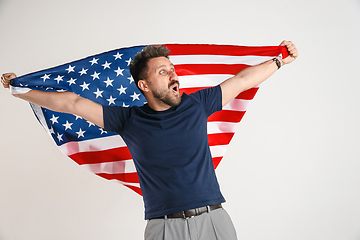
pixel 120 110
pixel 206 92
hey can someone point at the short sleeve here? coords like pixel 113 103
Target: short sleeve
pixel 114 118
pixel 211 98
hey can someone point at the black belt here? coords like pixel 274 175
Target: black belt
pixel 191 213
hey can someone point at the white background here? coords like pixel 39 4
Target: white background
pixel 292 170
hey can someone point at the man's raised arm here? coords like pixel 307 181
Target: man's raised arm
pixel 254 75
pixel 66 102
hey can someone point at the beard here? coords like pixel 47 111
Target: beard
pixel 167 96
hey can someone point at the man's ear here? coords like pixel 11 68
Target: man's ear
pixel 143 85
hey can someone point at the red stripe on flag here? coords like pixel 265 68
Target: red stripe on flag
pixel 230 50
pixel 226 116
pixel 248 94
pixel 198 69
pixel 219 138
pixel 109 155
pixel 135 189
pixel 123 177
pixel 216 161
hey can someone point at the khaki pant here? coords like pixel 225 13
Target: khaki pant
pixel 215 225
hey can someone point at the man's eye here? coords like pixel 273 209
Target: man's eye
pixel 173 69
pixel 162 72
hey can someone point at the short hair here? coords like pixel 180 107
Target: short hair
pixel 139 65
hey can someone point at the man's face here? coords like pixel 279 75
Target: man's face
pixel 163 81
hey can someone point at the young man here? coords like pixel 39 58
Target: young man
pixel 167 138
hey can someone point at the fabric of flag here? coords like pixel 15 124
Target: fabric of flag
pixel 105 78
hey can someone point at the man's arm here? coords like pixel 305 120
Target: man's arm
pixel 254 75
pixel 66 102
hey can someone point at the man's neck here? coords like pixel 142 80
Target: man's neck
pixel 157 105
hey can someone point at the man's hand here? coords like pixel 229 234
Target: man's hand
pixel 6 78
pixel 293 53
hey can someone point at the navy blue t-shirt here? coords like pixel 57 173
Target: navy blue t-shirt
pixel 171 152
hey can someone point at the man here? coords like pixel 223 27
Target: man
pixel 167 138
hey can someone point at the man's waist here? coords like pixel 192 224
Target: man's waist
pixel 191 212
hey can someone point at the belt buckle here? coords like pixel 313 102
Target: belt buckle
pixel 185 217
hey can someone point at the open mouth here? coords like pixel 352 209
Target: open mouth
pixel 175 87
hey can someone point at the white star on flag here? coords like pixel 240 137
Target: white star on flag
pixel 67 125
pixel 59 78
pixel 98 93
pixel 46 76
pixel 135 96
pixel 118 56
pixel 83 71
pixel 70 69
pixel 131 79
pixel 54 119
pixel 85 86
pixel 59 137
pixel 95 75
pixel 94 61
pixel 111 100
pixel 90 123
pixel 106 65
pixel 119 71
pixel 80 133
pixel 108 82
pixel 122 90
pixel 71 81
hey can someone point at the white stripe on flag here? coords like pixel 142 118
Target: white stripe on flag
pixel 218 59
pixel 126 183
pixel 206 80
pixel 221 127
pixel 40 115
pixel 19 90
pixel 218 151
pixel 237 105
pixel 126 166
pixel 93 145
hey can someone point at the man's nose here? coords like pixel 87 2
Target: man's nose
pixel 172 76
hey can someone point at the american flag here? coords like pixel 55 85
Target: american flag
pixel 105 78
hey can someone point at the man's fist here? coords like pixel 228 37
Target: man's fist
pixel 6 78
pixel 293 53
